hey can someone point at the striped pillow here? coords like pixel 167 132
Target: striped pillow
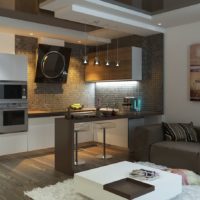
pixel 180 132
pixel 190 131
pixel 174 132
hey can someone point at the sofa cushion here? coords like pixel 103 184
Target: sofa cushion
pixel 190 131
pixel 179 132
pixel 183 155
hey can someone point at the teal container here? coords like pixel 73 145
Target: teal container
pixel 137 104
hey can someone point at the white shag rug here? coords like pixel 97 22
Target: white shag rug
pixel 65 191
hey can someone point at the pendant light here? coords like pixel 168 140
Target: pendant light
pixel 85 57
pixel 96 59
pixel 107 62
pixel 117 61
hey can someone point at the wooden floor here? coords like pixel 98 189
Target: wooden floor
pixel 23 172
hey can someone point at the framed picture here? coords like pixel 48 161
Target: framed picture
pixel 195 72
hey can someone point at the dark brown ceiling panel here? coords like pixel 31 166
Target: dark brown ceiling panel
pixel 152 5
pixel 45 18
pixel 30 6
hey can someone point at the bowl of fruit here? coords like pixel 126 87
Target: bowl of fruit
pixel 76 106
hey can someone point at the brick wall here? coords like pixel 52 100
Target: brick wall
pixel 58 97
pixel 150 88
pixel 54 97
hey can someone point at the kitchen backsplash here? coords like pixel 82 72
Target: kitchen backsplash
pixel 150 89
pixel 53 97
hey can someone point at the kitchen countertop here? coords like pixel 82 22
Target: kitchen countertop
pixel 43 113
pixel 129 115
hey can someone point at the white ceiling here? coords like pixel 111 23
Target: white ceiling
pixel 179 16
pixel 103 14
pixel 118 21
pixel 115 21
pixel 27 28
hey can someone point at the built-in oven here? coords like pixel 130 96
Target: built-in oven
pixel 13 91
pixel 13 118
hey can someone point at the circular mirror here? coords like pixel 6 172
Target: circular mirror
pixel 53 64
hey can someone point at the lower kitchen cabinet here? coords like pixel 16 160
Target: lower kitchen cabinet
pixel 13 143
pixel 41 134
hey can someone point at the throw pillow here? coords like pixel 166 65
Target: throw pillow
pixel 190 131
pixel 180 132
pixel 174 132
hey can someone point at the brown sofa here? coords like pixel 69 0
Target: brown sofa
pixel 148 145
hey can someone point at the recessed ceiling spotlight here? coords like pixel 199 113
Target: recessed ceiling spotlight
pixel 159 24
pixel 31 34
pixel 79 41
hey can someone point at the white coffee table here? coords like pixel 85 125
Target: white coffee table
pixel 90 183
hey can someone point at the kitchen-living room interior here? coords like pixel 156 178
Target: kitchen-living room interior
pixel 99 99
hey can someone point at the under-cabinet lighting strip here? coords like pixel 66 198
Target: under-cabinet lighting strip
pixel 117 84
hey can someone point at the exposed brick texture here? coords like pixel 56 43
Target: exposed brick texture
pixel 55 97
pixel 151 87
pixel 58 97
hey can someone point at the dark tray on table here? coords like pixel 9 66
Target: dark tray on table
pixel 129 188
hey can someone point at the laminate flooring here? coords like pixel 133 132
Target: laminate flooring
pixel 23 172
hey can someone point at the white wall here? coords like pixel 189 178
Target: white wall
pixel 178 107
pixel 7 42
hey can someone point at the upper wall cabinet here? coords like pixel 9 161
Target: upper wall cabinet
pixel 13 67
pixel 130 68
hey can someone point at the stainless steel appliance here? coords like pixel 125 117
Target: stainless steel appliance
pixel 13 117
pixel 13 91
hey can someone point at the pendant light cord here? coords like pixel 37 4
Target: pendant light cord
pixel 96 50
pixel 107 51
pixel 117 51
pixel 85 40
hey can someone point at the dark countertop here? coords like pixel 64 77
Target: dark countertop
pixel 129 115
pixel 42 113
pixel 36 114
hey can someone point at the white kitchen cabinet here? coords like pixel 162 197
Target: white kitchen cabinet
pixel 41 133
pixel 136 63
pixel 13 67
pixel 117 136
pixel 13 143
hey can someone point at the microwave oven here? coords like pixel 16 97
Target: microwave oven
pixel 13 91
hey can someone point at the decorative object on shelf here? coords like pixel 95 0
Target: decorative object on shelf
pixel 107 62
pixel 117 61
pixel 195 72
pixel 85 57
